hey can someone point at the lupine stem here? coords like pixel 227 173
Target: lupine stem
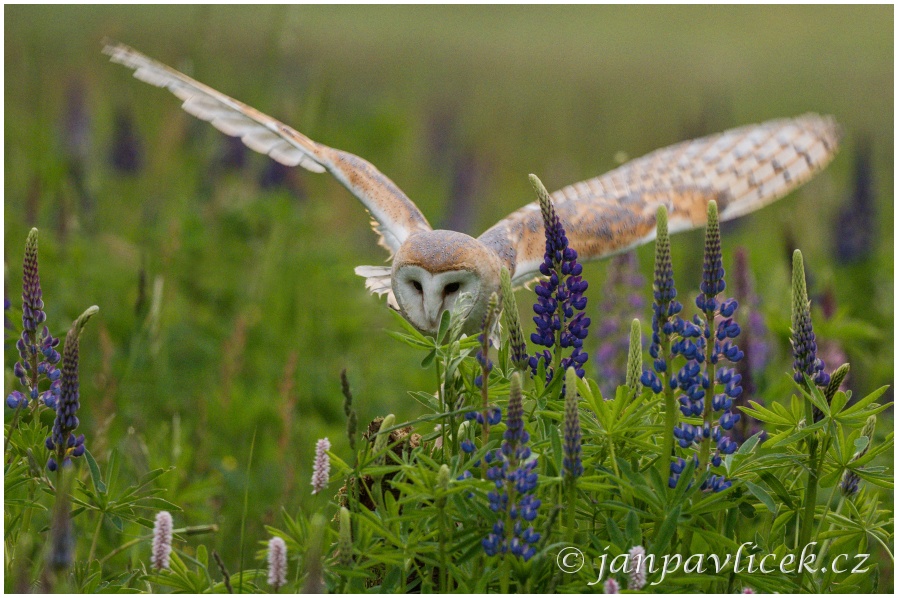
pixel 670 409
pixel 93 544
pixel 810 500
pixel 709 397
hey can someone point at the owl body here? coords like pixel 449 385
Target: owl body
pixel 741 169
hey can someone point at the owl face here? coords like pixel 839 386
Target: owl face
pixel 433 269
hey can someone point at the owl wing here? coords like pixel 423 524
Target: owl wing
pixel 394 215
pixel 743 169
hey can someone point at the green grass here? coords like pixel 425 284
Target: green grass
pixel 251 276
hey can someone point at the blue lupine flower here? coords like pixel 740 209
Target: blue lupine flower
pixel 560 321
pixel 715 331
pixel 665 307
pixel 63 443
pixel 494 416
pixel 37 353
pixel 804 342
pixel 512 470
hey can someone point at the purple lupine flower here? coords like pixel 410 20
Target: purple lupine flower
pixel 804 342
pixel 694 378
pixel 611 586
pixel 37 353
pixel 126 153
pixel 560 321
pixel 572 464
pixel 162 537
pixel 63 444
pixel 322 468
pixel 754 339
pixel 512 470
pixel 621 302
pixel 277 563
pixel 857 218
pixel 636 568
pixel 665 309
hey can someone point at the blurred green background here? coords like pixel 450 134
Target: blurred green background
pixel 228 300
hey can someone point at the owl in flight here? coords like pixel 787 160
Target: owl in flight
pixel 742 169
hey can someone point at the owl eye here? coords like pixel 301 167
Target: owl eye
pixel 451 288
pixel 418 286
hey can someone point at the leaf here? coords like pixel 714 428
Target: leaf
pixel 761 495
pixel 862 403
pixel 157 503
pixel 444 327
pixel 95 476
pixel 777 486
pixel 665 532
pixel 428 359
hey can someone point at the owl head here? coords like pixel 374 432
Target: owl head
pixel 433 268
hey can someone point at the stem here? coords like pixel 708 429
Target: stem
pixel 12 427
pixel 444 573
pixel 709 395
pixel 504 579
pixel 571 488
pixel 614 456
pixel 810 502
pixel 189 531
pixel 670 412
pixel 838 510
pixel 93 544
pixel 484 394
pixel 442 394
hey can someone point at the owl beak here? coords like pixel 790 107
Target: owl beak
pixel 433 309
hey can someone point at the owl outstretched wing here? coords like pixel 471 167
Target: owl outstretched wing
pixel 742 169
pixel 394 215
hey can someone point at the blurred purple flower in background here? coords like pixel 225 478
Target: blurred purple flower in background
pixel 622 301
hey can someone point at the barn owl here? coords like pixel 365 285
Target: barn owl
pixel 742 169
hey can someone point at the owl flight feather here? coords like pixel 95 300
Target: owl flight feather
pixel 742 169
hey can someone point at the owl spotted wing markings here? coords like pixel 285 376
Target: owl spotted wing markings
pixel 742 169
pixel 395 216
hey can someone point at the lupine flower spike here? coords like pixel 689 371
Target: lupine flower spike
pixel 665 323
pixel 611 586
pixel 804 343
pixel 37 353
pixel 560 321
pixel 322 467
pixel 512 321
pixel 277 563
pixel 706 356
pixel 634 357
pixel 512 470
pixel 162 537
pixel 63 444
pixel 636 568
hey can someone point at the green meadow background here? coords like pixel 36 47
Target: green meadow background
pixel 228 302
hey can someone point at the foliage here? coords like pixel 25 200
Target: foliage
pixel 441 503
